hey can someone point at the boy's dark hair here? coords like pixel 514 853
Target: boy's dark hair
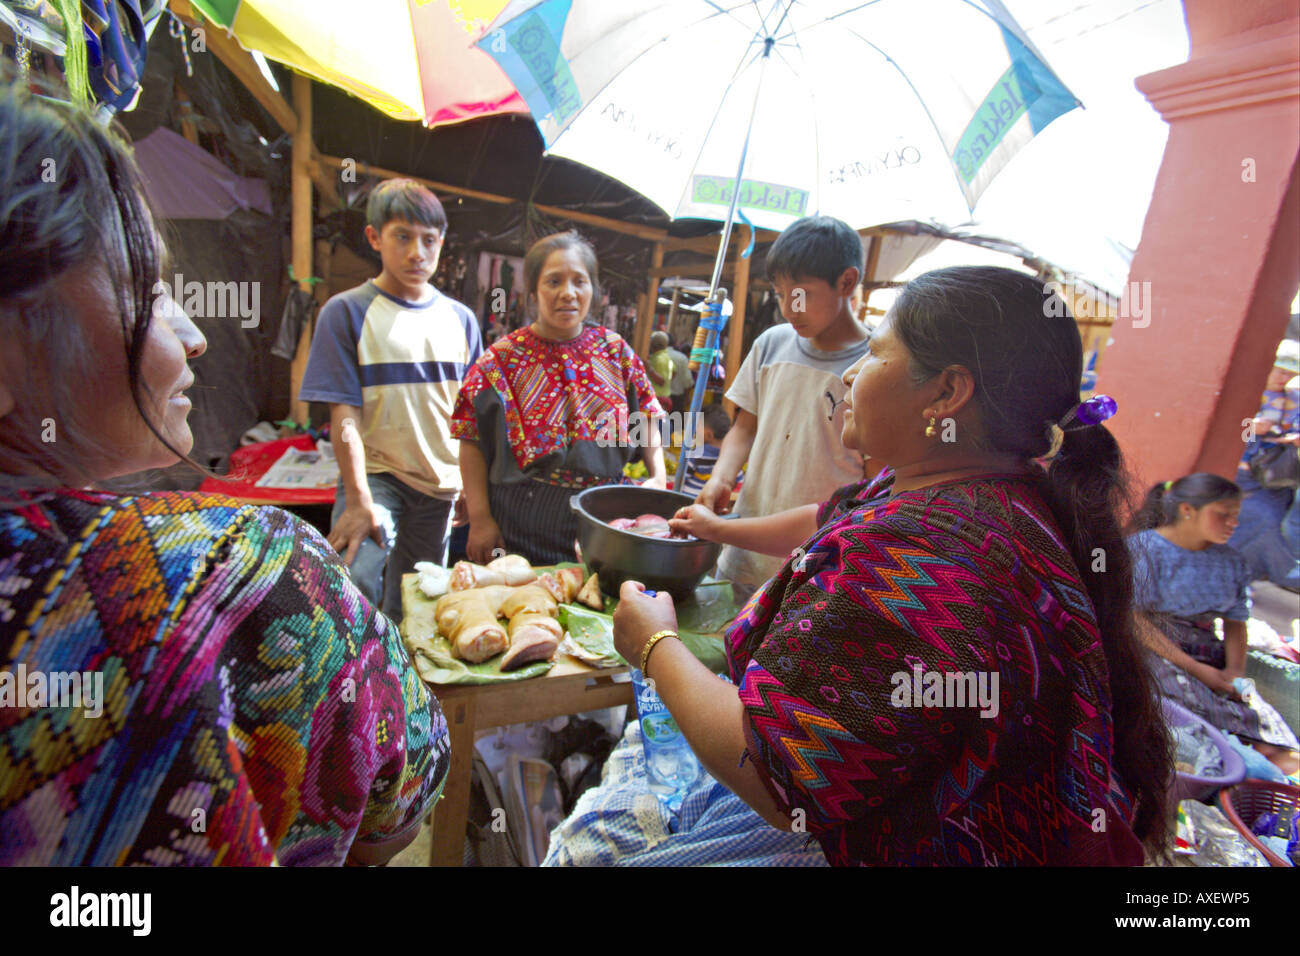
pixel 1026 357
pixel 1160 507
pixel 817 246
pixel 404 199
pixel 717 420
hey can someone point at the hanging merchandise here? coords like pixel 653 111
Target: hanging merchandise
pixel 115 44
pixel 501 279
pixel 176 29
pixel 102 42
pixel 39 22
pixel 299 309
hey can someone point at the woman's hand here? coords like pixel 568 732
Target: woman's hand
pixel 696 520
pixel 484 539
pixel 638 617
pixel 1218 681
pixel 656 481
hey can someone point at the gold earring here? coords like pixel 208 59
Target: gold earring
pixel 930 430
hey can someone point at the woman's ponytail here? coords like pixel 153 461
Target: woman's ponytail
pixel 1085 485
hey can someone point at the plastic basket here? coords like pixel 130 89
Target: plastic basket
pixel 1248 799
pixel 1190 787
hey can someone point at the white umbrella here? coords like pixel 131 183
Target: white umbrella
pixel 771 110
pixel 871 112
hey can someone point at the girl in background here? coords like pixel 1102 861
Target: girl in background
pixel 1185 578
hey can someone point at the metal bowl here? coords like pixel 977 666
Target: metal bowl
pixel 617 556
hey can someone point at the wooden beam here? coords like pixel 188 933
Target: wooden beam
pixel 323 182
pixel 709 244
pixel 649 233
pixel 241 63
pixel 301 233
pixel 869 273
pixel 186 110
pixel 691 272
pixel 334 162
pixel 613 225
pixel 873 260
pixel 645 321
pixel 736 330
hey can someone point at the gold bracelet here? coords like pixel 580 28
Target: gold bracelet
pixel 650 646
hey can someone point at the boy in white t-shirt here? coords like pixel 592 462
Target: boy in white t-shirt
pixel 788 392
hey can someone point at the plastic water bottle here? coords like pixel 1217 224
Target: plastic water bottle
pixel 671 766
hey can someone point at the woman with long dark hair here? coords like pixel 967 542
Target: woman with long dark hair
pixel 945 670
pixel 1187 578
pixel 184 680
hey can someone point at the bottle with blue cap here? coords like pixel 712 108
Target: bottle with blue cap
pixel 671 766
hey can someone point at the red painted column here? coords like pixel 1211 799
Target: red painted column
pixel 1212 281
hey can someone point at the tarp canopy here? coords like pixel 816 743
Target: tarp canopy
pixel 185 181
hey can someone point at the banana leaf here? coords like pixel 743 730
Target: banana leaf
pixel 700 622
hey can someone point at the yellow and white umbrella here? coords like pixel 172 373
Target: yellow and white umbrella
pixel 410 59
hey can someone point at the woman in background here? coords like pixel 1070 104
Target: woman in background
pixel 971 556
pixel 239 701
pixel 537 412
pixel 1186 577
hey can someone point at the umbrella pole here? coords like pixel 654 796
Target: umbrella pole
pixel 704 351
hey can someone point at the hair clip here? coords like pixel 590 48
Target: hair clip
pixel 1092 412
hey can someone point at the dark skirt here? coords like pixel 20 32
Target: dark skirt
pixel 1259 722
pixel 536 520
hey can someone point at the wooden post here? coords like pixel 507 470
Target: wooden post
pixel 873 259
pixel 301 233
pixel 645 320
pixel 186 109
pixel 736 330
pixel 672 311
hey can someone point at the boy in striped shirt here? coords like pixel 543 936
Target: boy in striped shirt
pixel 388 357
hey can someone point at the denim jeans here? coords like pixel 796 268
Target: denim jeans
pixel 1291 535
pixel 1259 535
pixel 415 527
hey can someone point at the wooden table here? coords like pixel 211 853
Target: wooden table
pixel 570 687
